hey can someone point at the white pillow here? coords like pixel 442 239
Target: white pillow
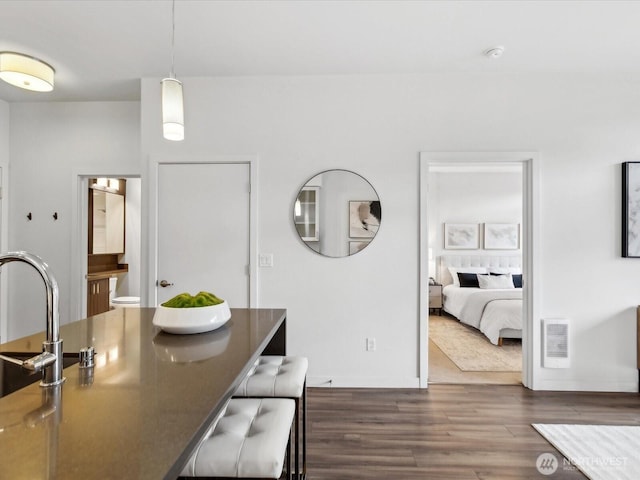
pixel 503 270
pixel 455 270
pixel 495 281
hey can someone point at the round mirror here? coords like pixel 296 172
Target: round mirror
pixel 337 213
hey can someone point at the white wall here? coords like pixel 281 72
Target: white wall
pixel 4 132
pixel 299 127
pixel 583 126
pixel 472 197
pixel 4 164
pixel 49 142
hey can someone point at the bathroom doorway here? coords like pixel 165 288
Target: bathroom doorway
pixel 128 275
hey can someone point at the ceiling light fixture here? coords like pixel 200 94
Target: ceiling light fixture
pixel 172 100
pixel 26 72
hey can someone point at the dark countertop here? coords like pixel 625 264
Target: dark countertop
pixel 107 273
pixel 151 400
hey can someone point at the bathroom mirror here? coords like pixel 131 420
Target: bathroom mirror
pixel 337 213
pixel 106 216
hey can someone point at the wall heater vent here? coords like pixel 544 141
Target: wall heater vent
pixel 555 341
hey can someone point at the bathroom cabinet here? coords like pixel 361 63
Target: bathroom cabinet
pixel 99 269
pixel 97 296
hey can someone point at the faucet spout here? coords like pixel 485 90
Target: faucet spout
pixel 53 344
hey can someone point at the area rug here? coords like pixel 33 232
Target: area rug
pixel 470 350
pixel 601 452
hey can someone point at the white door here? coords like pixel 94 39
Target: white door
pixel 203 230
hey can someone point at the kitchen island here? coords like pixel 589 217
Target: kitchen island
pixel 144 406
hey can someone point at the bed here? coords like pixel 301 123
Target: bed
pixel 487 295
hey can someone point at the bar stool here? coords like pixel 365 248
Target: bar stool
pixel 249 439
pixel 282 377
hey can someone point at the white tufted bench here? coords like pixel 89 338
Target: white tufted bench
pixel 249 439
pixel 283 377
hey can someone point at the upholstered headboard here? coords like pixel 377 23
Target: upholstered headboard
pixel 495 261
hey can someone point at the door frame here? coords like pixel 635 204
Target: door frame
pixel 4 246
pixel 150 221
pixel 530 251
pixel 80 229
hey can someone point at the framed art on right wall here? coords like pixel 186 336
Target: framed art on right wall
pixel 631 209
pixel 501 236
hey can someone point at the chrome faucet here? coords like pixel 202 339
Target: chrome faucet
pixel 50 360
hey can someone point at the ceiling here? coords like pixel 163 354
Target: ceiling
pixel 101 48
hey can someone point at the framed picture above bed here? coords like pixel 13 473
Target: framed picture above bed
pixel 631 209
pixel 501 236
pixel 461 236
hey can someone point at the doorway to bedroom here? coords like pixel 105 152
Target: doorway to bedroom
pixel 474 208
pixel 474 218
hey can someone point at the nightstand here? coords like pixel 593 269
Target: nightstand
pixel 435 298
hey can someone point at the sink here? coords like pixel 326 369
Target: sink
pixel 13 377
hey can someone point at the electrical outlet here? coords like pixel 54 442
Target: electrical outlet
pixel 265 260
pixel 371 344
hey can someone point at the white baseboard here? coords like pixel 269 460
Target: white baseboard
pixel 543 385
pixel 591 385
pixel 363 382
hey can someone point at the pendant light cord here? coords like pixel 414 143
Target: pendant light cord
pixel 173 37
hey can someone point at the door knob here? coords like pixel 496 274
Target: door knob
pixel 164 283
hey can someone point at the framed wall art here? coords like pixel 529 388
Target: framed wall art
pixel 631 209
pixel 461 236
pixel 501 236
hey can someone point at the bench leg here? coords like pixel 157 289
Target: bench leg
pixel 304 430
pixel 297 439
pixel 289 475
pixel 301 407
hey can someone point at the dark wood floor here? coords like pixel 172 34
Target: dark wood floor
pixel 448 431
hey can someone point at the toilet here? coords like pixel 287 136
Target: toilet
pixel 120 302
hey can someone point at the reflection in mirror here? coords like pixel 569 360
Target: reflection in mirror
pixel 106 215
pixel 337 213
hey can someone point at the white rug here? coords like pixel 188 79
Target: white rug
pixel 470 350
pixel 601 452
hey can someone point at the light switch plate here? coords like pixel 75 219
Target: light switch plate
pixel 371 344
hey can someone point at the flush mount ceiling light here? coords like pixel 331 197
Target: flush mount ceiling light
pixel 26 72
pixel 172 103
pixel 495 52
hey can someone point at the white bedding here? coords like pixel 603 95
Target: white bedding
pixel 490 311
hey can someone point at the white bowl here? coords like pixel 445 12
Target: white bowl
pixel 191 320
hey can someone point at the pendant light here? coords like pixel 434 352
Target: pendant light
pixel 172 103
pixel 26 72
